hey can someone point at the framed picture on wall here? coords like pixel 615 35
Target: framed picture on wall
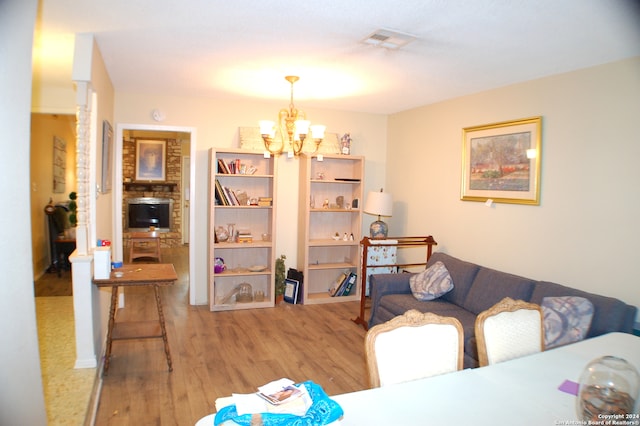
pixel 151 160
pixel 107 154
pixel 501 162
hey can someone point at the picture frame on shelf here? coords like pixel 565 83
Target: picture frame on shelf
pixel 501 162
pixel 151 159
pixel 291 290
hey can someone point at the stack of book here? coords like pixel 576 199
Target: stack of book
pixel 343 284
pixel 244 236
pixel 265 201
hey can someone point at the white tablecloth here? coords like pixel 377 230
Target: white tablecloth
pixel 523 391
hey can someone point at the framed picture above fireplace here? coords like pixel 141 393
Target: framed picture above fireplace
pixel 151 160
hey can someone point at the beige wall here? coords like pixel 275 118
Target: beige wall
pixel 101 84
pixel 22 396
pixel 43 128
pixel 217 124
pixel 585 232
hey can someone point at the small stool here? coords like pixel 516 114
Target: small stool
pixel 144 244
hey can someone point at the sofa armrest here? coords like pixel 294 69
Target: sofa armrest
pixel 383 284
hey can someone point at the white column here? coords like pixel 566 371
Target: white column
pixel 82 259
pixel 83 291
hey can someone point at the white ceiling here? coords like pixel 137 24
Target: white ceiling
pixel 244 48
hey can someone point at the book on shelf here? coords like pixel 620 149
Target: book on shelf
pixel 220 195
pixel 231 196
pixel 222 167
pixel 335 286
pixel 348 284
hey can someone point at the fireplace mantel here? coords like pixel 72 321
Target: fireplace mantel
pixel 150 186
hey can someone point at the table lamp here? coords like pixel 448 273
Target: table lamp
pixel 380 204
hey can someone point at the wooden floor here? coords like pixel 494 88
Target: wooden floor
pixel 218 353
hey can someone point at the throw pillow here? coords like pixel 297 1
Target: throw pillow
pixel 431 283
pixel 566 319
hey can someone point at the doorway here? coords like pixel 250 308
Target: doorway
pixel 186 136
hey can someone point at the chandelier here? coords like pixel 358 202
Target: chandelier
pixel 292 123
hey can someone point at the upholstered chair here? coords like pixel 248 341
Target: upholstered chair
pixel 509 329
pixel 413 346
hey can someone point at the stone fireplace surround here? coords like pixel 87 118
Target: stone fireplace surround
pixel 169 189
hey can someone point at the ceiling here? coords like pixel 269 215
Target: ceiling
pixel 242 49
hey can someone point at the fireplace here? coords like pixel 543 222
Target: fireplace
pixel 143 213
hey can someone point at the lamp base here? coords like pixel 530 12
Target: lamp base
pixel 378 230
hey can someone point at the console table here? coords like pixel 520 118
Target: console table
pixel 399 242
pixel 148 274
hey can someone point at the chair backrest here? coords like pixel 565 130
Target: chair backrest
pixel 413 346
pixel 509 329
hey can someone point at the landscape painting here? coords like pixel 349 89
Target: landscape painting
pixel 501 162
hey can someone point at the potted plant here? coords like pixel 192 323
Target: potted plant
pixel 279 279
pixel 73 209
pixel 73 216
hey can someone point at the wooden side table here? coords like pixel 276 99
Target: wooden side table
pixel 148 274
pixel 144 244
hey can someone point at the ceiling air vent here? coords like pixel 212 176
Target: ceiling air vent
pixel 388 39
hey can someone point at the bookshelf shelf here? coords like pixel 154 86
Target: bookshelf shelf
pixel 244 176
pixel 329 184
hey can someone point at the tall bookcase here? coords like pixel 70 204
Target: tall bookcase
pixel 330 225
pixel 246 262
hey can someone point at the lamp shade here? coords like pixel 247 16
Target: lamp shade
pixel 379 203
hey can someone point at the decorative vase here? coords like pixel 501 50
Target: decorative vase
pixel 608 386
pixel 222 234
pixel 231 229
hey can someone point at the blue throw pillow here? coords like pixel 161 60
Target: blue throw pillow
pixel 566 319
pixel 431 283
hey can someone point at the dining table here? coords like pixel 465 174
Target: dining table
pixel 537 389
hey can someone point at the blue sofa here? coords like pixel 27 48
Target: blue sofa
pixel 477 288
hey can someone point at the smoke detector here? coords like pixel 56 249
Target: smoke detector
pixel 388 39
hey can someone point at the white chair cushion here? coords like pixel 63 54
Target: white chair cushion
pixel 431 283
pixel 409 353
pixel 510 335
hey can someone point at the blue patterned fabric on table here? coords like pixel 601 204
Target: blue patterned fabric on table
pixel 323 411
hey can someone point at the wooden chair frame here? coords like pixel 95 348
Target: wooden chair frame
pixel 411 318
pixel 505 305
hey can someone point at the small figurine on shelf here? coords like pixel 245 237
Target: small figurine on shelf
pixel 345 144
pixel 325 205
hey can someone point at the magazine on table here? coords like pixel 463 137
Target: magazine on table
pixel 282 395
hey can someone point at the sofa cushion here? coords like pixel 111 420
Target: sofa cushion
pixel 609 314
pixel 431 283
pixel 462 274
pixel 566 319
pixel 491 286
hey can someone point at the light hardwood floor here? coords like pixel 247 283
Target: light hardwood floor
pixel 217 353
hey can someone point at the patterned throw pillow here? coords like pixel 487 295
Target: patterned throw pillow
pixel 431 283
pixel 566 319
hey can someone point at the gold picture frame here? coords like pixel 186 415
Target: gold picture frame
pixel 501 162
